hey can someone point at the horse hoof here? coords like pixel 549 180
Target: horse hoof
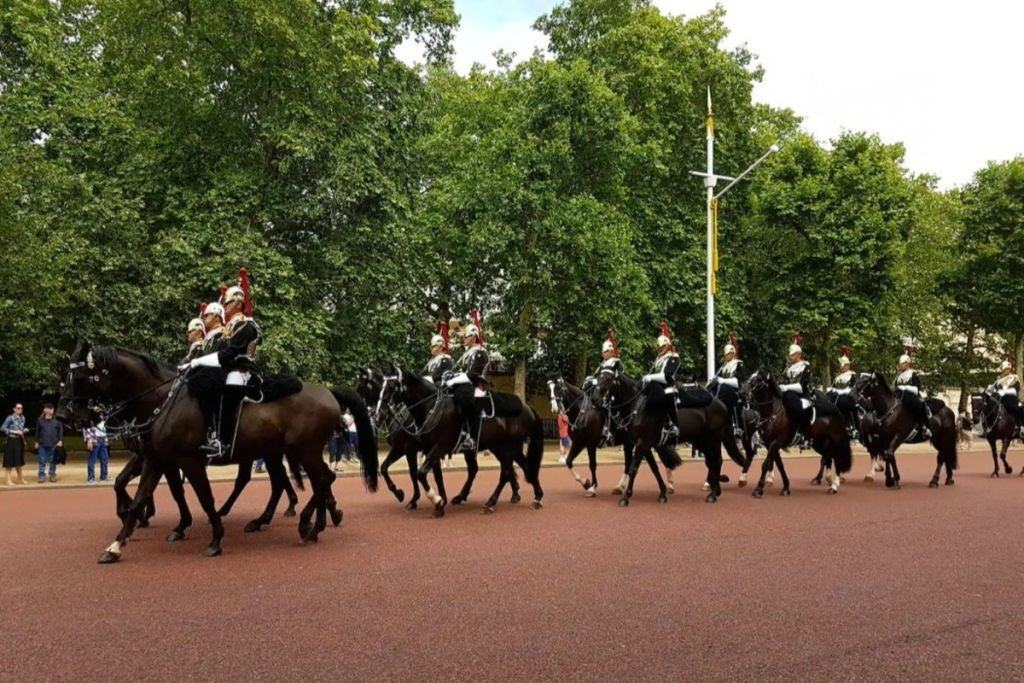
pixel 590 492
pixel 994 475
pixel 1009 470
pixel 816 481
pixel 623 502
pixel 617 491
pixel 587 484
pixel 933 484
pixel 516 498
pixel 662 498
pixel 705 486
pixel 537 505
pixel 290 512
pixel 758 493
pixel 175 536
pixel 949 482
pixel 487 510
pixel 711 498
pixel 252 526
pixel 832 490
pixel 458 500
pixel 889 483
pixel 109 558
pixel 784 493
pixel 742 483
pixel 143 523
pixel 869 479
pixel 400 495
pixel 438 512
pixel 336 516
pixel 411 505
pixel 212 550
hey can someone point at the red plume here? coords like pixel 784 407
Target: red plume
pixel 735 344
pixel 664 331
pixel 797 339
pixel 243 280
pixel 846 351
pixel 615 344
pixel 202 309
pixel 443 329
pixel 223 291
pixel 475 315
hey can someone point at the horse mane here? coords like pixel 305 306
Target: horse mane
pixel 769 380
pixel 883 383
pixel 106 356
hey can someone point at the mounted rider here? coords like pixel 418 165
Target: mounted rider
pixel 796 384
pixel 213 319
pixel 725 385
pixel 469 385
pixel 440 362
pixel 194 333
pixel 841 392
pixel 908 387
pixel 236 355
pixel 659 384
pixel 610 362
pixel 1007 387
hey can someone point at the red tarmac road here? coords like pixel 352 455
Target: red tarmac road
pixel 915 584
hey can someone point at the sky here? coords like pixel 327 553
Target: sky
pixel 942 77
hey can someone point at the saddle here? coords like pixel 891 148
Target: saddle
pixel 693 396
pixel 269 388
pixel 502 405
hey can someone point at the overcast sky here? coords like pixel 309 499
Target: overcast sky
pixel 945 78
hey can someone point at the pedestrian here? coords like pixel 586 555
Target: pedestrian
pixel 353 437
pixel 49 436
pixel 563 436
pixel 99 449
pixel 334 450
pixel 259 466
pixel 14 448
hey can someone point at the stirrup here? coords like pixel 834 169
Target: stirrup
pixel 466 442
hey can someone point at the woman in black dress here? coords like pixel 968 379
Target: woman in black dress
pixel 14 448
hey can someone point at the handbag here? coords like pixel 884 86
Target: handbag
pixel 60 455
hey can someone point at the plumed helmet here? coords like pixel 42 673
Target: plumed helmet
pixel 196 325
pixel 727 349
pixel 214 308
pixel 1005 365
pixel 795 348
pixel 470 330
pixel 437 341
pixel 663 341
pixel 607 346
pixel 234 294
pixel 905 358
pixel 844 361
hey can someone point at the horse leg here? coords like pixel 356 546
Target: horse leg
pixel 275 468
pixel 393 455
pixel 995 458
pixel 195 469
pixel 892 473
pixel 590 486
pixel 640 452
pixel 713 463
pixel 766 464
pixel 241 481
pixel 471 469
pixel 432 457
pixel 148 480
pixel 821 472
pixel 663 488
pixel 506 473
pixel 174 482
pixel 574 450
pixel 1002 456
pixel 131 469
pixel 782 473
pixel 628 449
pixel 293 498
pixel 410 463
pixel 538 493
pixel 872 461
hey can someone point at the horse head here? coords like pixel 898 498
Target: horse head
pixel 556 387
pixel 760 386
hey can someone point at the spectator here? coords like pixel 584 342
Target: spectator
pixel 14 448
pixel 99 449
pixel 259 466
pixel 353 437
pixel 49 435
pixel 563 436
pixel 334 450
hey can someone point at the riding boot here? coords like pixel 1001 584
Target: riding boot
pixel 472 427
pixel 673 416
pixel 231 402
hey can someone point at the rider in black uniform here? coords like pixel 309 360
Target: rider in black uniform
pixel 841 393
pixel 725 385
pixel 908 388
pixel 468 386
pixel 659 385
pixel 796 386
pixel 440 362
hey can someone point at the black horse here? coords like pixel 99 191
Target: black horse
pixel 430 415
pixel 152 399
pixel 997 424
pixel 827 433
pixel 701 427
pixel 896 425
pixel 590 426
pixel 866 425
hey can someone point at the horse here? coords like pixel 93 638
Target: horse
pixel 369 382
pixel 867 434
pixel 701 427
pixel 430 415
pixel 827 433
pixel 149 400
pixel 997 424
pixel 590 426
pixel 896 426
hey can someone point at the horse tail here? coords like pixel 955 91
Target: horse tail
pixel 842 459
pixel 296 470
pixel 669 457
pixel 534 451
pixel 370 467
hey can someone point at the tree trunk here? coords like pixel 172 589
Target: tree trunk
pixel 965 372
pixel 581 367
pixel 521 379
pixel 1018 354
pixel 522 329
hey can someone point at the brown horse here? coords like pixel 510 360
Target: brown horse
pixel 827 434
pixel 149 400
pixel 896 426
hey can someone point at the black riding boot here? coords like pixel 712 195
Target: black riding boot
pixel 231 402
pixel 673 415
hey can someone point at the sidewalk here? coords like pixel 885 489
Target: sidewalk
pixel 73 474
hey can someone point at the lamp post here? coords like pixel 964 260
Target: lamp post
pixel 710 181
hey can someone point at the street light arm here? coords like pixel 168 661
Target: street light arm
pixel 772 150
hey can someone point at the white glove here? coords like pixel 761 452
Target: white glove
pixel 428 379
pixel 647 378
pixel 730 381
pixel 793 387
pixel 210 360
pixel 184 366
pixel 911 389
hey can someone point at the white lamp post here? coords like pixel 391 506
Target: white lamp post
pixel 710 181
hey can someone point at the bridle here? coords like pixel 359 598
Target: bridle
pixel 402 412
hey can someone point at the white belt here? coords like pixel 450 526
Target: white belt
pixel 461 378
pixel 1008 392
pixel 237 378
